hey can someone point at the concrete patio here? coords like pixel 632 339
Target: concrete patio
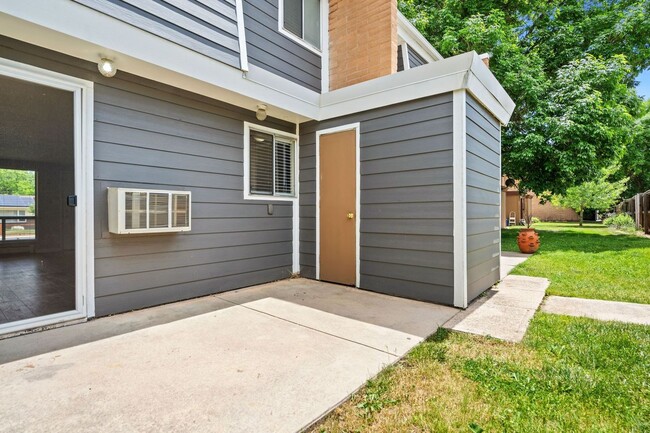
pixel 271 358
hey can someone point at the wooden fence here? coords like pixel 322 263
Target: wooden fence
pixel 638 207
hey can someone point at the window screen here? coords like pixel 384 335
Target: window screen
pixel 293 16
pixel 311 22
pixel 261 157
pixel 271 170
pixel 302 18
pixel 283 167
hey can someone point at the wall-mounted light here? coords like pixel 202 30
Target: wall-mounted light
pixel 107 67
pixel 261 112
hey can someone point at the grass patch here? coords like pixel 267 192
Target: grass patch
pixel 569 374
pixel 588 262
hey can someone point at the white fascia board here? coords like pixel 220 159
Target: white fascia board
pixel 409 34
pixel 78 31
pixel 465 71
pixel 487 90
pixel 426 80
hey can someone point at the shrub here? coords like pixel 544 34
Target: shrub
pixel 535 220
pixel 621 221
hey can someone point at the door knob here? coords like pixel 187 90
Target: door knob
pixel 350 215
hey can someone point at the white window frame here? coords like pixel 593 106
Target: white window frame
pixel 247 146
pixel 296 38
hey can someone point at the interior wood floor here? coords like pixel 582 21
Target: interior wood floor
pixel 33 285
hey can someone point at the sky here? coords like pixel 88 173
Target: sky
pixel 643 88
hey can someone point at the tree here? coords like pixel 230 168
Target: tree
pixel 599 195
pixel 17 182
pixel 582 126
pixel 635 164
pixel 568 65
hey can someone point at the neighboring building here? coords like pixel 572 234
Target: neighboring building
pixel 251 140
pixel 16 205
pixel 514 204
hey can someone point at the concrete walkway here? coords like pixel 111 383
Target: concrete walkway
pixel 598 309
pixel 272 358
pixel 504 311
pixel 509 260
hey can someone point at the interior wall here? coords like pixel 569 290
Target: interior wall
pixel 37 134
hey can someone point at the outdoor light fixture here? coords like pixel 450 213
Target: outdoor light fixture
pixel 261 112
pixel 106 67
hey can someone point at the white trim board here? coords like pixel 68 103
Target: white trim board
pixel 82 91
pixel 409 34
pixel 325 46
pixel 241 33
pixel 465 71
pixel 460 197
pixel 351 126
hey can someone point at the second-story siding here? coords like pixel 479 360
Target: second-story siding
pixel 209 28
pixel 277 53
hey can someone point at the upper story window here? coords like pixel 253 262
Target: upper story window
pixel 301 18
pixel 269 163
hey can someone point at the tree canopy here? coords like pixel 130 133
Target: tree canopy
pixel 17 182
pixel 569 65
pixel 635 164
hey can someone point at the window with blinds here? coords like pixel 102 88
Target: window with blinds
pixel 302 19
pixel 271 159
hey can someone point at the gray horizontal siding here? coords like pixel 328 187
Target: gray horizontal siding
pixel 406 198
pixel 275 52
pixel 218 210
pixel 209 28
pixel 149 135
pixel 483 198
pixel 415 59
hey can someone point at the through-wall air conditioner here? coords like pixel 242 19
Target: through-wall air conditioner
pixel 148 211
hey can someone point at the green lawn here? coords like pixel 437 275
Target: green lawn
pixel 568 375
pixel 588 262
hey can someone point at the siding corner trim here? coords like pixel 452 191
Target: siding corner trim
pixel 241 31
pixel 459 195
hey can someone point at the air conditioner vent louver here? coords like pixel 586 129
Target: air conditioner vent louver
pixel 148 211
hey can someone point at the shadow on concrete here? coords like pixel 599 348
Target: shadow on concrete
pixel 314 304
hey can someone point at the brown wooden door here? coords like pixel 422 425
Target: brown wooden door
pixel 338 207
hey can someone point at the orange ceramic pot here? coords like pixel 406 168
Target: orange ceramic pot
pixel 528 241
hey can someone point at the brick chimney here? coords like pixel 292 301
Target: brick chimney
pixel 362 40
pixel 485 57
